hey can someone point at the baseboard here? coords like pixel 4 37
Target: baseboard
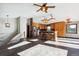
pixel 69 37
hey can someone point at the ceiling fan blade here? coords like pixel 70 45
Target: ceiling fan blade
pixel 51 17
pixel 51 6
pixel 38 10
pixel 44 4
pixel 37 5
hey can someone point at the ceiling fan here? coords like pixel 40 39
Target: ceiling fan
pixel 44 7
pixel 46 20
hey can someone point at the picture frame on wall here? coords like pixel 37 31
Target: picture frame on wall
pixel 71 28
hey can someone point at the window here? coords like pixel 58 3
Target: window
pixel 71 28
pixel 48 29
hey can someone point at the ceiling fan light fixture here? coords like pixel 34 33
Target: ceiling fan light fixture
pixel 44 7
pixel 45 20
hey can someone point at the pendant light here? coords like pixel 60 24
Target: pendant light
pixel 7 24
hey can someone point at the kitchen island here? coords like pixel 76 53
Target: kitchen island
pixel 44 35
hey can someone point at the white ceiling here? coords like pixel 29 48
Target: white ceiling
pixel 61 12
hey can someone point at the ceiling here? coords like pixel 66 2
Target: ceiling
pixel 61 12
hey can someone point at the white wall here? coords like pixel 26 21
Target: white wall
pixel 23 26
pixel 7 33
pixel 11 29
pixel 73 35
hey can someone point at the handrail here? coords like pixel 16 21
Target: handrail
pixel 17 37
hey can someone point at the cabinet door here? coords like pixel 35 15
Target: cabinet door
pixel 42 26
pixel 52 26
pixel 60 27
pixel 56 27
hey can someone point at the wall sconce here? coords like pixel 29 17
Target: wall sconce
pixel 7 24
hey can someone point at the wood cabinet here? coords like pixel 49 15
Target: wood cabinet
pixel 34 24
pixel 52 26
pixel 60 27
pixel 42 26
pixel 47 35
